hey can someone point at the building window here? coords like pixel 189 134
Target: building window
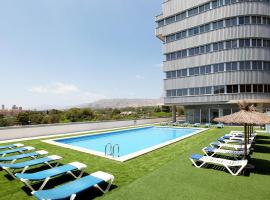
pixel 245 88
pixel 219 89
pixel 218 67
pixel 232 89
pixel 245 65
pixel 231 66
pixel 258 88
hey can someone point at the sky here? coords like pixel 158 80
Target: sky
pixel 69 52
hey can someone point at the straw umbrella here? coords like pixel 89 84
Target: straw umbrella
pixel 247 116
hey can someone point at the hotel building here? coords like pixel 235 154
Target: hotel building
pixel 216 53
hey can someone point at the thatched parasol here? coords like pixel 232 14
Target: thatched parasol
pixel 247 116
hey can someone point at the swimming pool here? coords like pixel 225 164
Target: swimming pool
pixel 126 144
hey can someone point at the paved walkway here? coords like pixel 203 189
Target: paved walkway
pixel 34 131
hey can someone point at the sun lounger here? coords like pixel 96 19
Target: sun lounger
pixel 18 150
pixel 233 137
pixel 231 146
pixel 11 146
pixel 13 159
pixel 231 165
pixel 71 189
pixel 241 134
pixel 211 151
pixel 46 175
pixel 10 168
pixel 197 125
pixel 220 125
pixel 233 140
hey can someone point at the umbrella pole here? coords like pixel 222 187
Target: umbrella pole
pixel 245 148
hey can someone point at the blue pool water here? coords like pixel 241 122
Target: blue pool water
pixel 130 141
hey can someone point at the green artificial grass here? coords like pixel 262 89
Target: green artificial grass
pixel 165 173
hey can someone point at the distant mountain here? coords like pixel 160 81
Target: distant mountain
pixel 122 103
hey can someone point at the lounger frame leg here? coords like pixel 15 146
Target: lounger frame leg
pixel 76 177
pixel 44 183
pixel 9 172
pixel 107 188
pixel 24 169
pixel 237 172
pixel 73 196
pixel 28 184
pixel 198 166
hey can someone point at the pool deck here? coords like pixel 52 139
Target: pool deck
pixel 53 130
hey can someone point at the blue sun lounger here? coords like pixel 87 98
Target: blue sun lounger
pixel 69 190
pixel 11 146
pixel 10 168
pixel 46 175
pixel 18 150
pixel 13 159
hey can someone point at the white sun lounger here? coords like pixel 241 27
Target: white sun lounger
pixel 11 146
pixel 230 165
pixel 10 168
pixel 13 159
pixel 71 189
pixel 46 175
pixel 211 151
pixel 233 140
pixel 17 150
pixel 232 146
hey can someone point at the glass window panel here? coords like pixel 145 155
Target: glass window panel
pixel 229 89
pixel 215 47
pixel 247 20
pixel 228 44
pixel 241 20
pixel 208 48
pixel 208 90
pixel 234 43
pixel 208 69
pixel 235 88
pixel 184 72
pixel 215 68
pixel 192 91
pixel 247 42
pixel 197 91
pixel 202 49
pixel 248 88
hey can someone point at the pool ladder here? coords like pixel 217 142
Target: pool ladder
pixel 110 150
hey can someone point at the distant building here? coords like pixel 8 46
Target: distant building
pixel 14 107
pixel 3 107
pixel 216 53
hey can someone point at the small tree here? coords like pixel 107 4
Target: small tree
pixel 23 118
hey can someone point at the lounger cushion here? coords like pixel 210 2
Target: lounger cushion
pixel 20 156
pixel 66 190
pixel 46 173
pixel 209 149
pixel 30 162
pixel 196 156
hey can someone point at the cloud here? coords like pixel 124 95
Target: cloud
pixel 55 88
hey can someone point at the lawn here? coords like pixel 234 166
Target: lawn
pixel 166 173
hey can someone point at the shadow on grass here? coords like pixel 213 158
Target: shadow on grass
pixel 261 166
pixel 263 137
pixel 261 149
pixel 262 141
pixel 245 172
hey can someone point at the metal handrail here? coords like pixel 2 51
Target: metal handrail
pixel 118 150
pixel 110 148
